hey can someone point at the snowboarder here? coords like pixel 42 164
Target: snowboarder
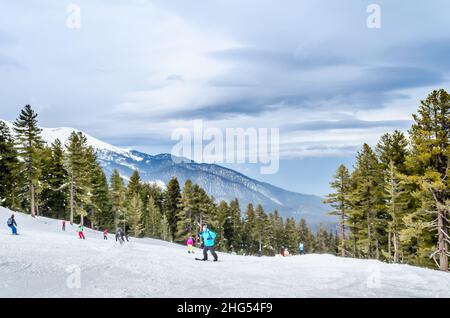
pixel 208 238
pixel 301 249
pixel 80 232
pixel 12 224
pixel 120 236
pixel 63 225
pixel 105 234
pixel 190 245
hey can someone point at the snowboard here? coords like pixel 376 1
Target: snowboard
pixel 201 260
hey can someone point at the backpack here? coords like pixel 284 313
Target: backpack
pixel 211 235
pixel 10 222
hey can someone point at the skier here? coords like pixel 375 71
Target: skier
pixel 80 232
pixel 208 238
pixel 120 236
pixel 301 249
pixel 12 224
pixel 286 252
pixel 63 225
pixel 190 245
pixel 105 234
pixel 282 251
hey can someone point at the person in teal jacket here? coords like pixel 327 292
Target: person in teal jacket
pixel 208 238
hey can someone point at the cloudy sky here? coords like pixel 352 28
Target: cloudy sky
pixel 136 70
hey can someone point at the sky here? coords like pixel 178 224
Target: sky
pixel 134 71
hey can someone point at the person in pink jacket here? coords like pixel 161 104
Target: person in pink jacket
pixel 190 245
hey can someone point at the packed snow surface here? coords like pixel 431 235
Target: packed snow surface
pixel 43 262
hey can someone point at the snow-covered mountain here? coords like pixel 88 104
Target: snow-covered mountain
pixel 223 183
pixel 44 261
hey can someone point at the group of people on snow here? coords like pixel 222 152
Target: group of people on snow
pixel 207 236
pixel 121 236
pixel 301 250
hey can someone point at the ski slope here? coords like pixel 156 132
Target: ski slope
pixel 43 262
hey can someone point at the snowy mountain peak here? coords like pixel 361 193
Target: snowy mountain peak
pixel 49 135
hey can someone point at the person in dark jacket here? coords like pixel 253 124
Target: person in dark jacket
pixel 12 224
pixel 120 236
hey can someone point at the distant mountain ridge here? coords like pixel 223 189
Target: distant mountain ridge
pixel 222 183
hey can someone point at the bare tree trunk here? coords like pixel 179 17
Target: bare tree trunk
pixel 33 211
pixel 82 219
pixel 377 250
pixel 443 258
pixel 260 245
pixel 389 246
pixel 396 256
pixel 343 233
pixel 71 199
pixel 369 236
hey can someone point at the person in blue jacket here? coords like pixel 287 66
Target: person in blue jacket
pixel 12 224
pixel 208 238
pixel 301 249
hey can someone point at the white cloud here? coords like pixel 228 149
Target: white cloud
pixel 139 69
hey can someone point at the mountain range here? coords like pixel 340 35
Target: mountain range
pixel 220 182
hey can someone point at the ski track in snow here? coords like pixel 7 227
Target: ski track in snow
pixel 34 264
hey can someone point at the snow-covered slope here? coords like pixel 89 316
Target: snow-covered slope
pixel 222 183
pixel 42 260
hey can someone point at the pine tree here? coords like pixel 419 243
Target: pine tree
pixel 134 185
pixel 117 193
pixel 367 215
pixel 262 231
pixel 340 200
pixel 248 243
pixel 55 180
pixel 171 201
pixel 221 221
pixel 305 236
pixel 151 190
pixel 9 169
pixel 322 240
pixel 134 215
pixel 165 229
pixel 233 226
pixel 396 204
pixel 277 225
pixel 79 164
pixel 135 205
pixel 29 142
pixel 291 240
pixel 429 164
pixel 101 200
pixel 186 224
pixel 153 220
pixel 393 148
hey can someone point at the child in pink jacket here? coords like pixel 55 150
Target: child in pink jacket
pixel 190 245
